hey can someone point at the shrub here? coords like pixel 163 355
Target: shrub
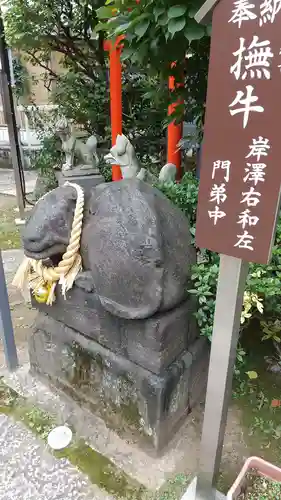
pixel 106 171
pixel 49 155
pixel 262 298
pixel 184 195
pixel 84 102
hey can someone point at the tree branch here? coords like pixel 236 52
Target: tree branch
pixel 72 50
pixel 78 61
pixel 38 62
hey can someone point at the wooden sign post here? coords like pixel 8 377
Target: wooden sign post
pixel 239 193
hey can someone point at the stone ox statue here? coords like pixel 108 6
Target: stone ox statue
pixel 127 326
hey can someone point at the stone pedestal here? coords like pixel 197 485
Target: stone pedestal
pixel 129 398
pixel 84 176
pixel 152 343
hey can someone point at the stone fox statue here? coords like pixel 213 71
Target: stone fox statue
pixel 77 152
pixel 136 246
pixel 123 154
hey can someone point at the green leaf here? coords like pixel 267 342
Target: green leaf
pixel 101 27
pixel 176 25
pixel 104 12
pixel 121 29
pixel 193 31
pixel 138 19
pixel 168 35
pixel 176 11
pixel 163 20
pixel 157 11
pixel 192 11
pixel 154 44
pixel 209 30
pixel 142 28
pixel 252 375
pixel 126 53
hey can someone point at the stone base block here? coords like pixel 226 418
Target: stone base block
pixel 128 397
pixel 87 180
pixel 152 343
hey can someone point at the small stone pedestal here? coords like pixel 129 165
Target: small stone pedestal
pixel 140 405
pixel 142 377
pixel 84 176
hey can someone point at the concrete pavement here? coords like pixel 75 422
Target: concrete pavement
pixel 28 471
pixel 7 181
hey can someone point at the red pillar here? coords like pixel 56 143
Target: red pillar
pixel 174 136
pixel 115 72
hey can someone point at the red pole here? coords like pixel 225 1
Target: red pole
pixel 174 136
pixel 115 72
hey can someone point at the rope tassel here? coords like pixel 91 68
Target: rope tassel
pixel 42 280
pixel 22 274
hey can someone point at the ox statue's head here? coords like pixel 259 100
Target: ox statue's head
pixel 47 231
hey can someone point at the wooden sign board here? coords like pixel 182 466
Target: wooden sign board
pixel 240 176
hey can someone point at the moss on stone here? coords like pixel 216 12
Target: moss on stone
pixel 131 413
pixel 101 471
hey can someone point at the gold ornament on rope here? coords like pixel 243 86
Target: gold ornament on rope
pixel 42 280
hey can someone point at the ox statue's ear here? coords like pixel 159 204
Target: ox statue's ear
pixel 68 191
pixel 60 194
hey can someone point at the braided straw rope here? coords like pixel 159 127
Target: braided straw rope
pixel 65 272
